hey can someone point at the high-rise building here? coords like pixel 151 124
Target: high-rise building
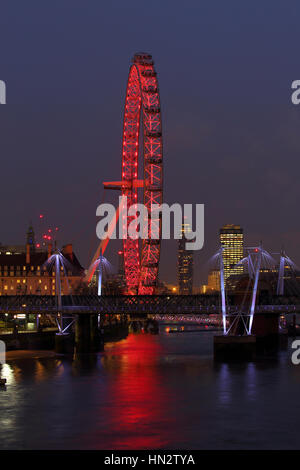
pixel 232 239
pixel 185 264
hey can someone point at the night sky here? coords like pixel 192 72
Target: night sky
pixel 231 133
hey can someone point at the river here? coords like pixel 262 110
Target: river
pixel 150 391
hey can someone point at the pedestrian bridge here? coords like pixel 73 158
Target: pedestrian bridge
pixel 139 304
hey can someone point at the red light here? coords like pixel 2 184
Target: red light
pixel 41 216
pixel 38 245
pixel 138 81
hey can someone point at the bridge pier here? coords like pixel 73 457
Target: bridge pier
pixel 266 324
pixel 234 347
pixel 87 338
pixel 87 335
pixel 64 343
pixel 265 339
pixel 266 328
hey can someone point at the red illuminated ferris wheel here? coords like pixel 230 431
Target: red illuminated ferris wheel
pixel 142 110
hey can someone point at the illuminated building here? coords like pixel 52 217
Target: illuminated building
pixel 232 239
pixel 213 281
pixel 23 270
pixel 172 288
pixel 185 264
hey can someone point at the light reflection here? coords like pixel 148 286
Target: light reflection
pixel 224 385
pixel 8 374
pixel 139 398
pixel 250 379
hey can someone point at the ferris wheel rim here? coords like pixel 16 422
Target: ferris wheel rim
pixel 142 104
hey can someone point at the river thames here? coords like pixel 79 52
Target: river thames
pixel 150 392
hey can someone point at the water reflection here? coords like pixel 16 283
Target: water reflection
pixel 138 391
pixel 226 383
pixel 150 391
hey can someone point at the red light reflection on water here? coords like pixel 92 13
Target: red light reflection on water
pixel 141 403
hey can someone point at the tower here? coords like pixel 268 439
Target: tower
pixel 30 238
pixel 185 264
pixel 121 270
pixel 232 239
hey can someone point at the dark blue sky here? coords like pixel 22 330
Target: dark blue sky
pixel 231 133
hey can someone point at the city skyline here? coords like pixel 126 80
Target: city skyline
pixel 225 132
pixel 211 278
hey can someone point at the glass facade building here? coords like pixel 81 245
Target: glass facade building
pixel 232 239
pixel 185 264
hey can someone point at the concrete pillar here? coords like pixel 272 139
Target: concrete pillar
pixel 87 335
pixel 234 347
pixel 64 343
pixel 96 337
pixel 82 334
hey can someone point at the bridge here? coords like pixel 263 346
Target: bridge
pixel 139 305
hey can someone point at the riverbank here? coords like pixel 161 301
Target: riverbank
pixel 24 354
pixel 45 340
